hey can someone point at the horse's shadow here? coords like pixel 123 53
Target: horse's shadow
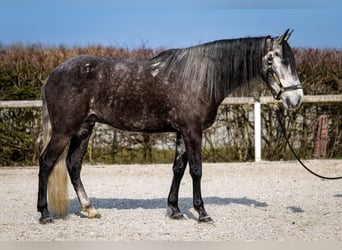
pixel 185 204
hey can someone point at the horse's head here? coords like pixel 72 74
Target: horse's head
pixel 280 74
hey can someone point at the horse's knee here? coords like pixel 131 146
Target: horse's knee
pixel 178 169
pixel 196 172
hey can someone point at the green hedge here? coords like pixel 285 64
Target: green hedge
pixel 24 69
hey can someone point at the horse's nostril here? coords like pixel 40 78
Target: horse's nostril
pixel 300 99
pixel 288 102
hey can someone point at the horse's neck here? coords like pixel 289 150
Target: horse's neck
pixel 239 74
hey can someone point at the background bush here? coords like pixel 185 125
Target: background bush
pixel 23 70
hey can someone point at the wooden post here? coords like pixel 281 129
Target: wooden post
pixel 257 131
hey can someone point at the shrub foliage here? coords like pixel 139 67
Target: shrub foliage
pixel 23 70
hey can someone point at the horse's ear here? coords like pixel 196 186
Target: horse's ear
pixel 289 33
pixel 285 36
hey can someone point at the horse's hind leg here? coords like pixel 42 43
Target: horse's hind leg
pixel 77 149
pixel 179 166
pixel 47 161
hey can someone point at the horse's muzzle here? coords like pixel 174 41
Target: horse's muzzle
pixel 292 99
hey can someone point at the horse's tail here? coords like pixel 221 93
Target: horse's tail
pixel 58 195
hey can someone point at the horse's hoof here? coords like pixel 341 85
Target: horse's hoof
pixel 94 216
pixel 45 220
pixel 177 216
pixel 92 212
pixel 206 219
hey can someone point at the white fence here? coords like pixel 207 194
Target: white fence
pixel 227 101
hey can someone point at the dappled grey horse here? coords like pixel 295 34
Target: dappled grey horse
pixel 177 91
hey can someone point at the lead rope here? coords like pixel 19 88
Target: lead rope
pixel 283 130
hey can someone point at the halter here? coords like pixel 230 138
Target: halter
pixel 276 78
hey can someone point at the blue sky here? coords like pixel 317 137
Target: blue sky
pixel 167 24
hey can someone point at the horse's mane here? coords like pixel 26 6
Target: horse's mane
pixel 221 66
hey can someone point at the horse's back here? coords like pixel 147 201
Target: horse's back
pixel 84 75
pixel 127 94
pixel 119 92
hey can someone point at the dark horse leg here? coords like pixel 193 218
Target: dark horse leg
pixel 77 149
pixel 193 144
pixel 47 161
pixel 179 166
pixel 188 148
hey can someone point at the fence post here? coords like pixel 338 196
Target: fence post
pixel 257 131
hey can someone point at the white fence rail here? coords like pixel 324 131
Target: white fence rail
pixel 227 101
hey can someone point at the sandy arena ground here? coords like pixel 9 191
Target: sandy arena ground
pixel 248 201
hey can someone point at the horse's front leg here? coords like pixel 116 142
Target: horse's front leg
pixel 179 166
pixel 193 144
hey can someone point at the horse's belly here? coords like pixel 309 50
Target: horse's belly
pixel 131 121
